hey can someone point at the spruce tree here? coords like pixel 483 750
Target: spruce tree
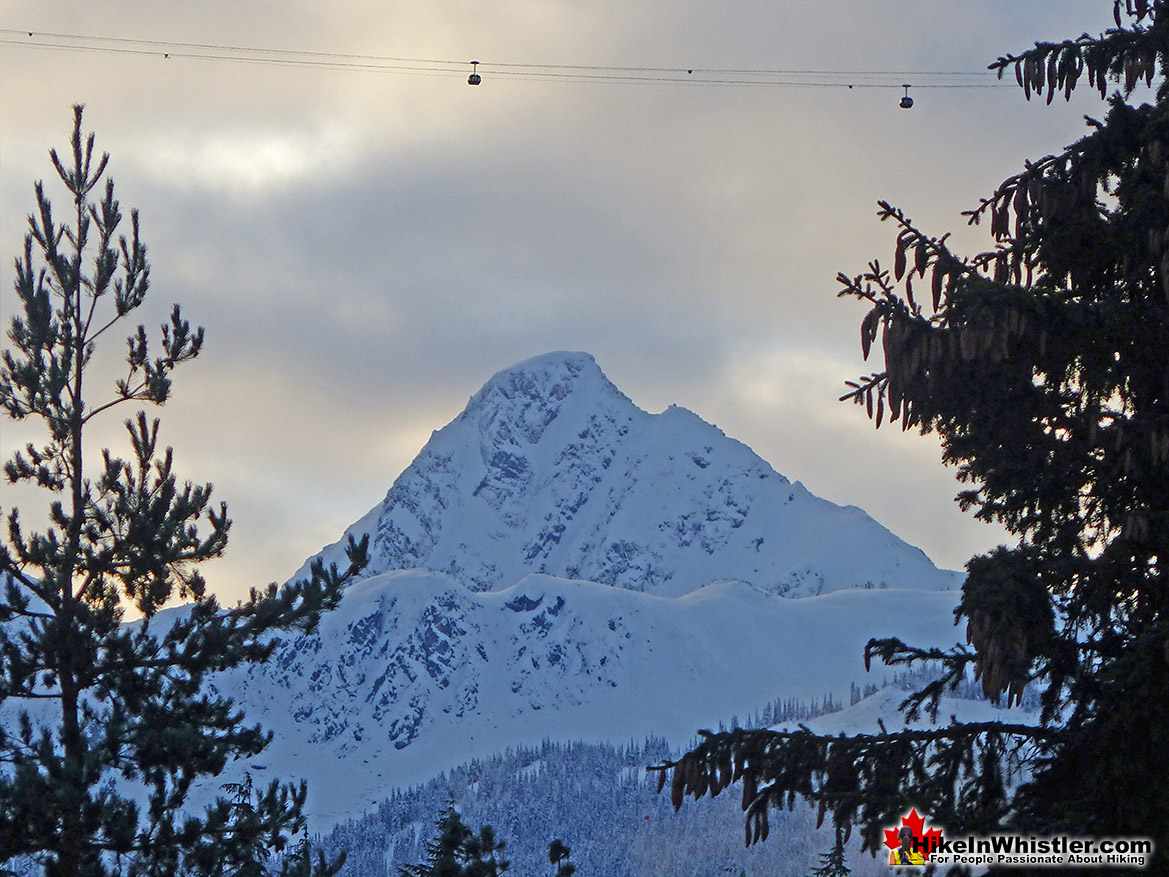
pixel 833 863
pixel 1043 365
pixel 105 725
pixel 458 851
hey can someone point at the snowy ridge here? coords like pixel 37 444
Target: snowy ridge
pixel 415 673
pixel 551 469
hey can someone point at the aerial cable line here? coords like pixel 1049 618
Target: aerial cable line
pixel 280 62
pixel 158 45
pixel 779 78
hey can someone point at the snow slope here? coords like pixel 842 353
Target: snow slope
pixel 415 672
pixel 551 469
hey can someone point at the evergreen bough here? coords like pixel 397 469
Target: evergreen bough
pixel 1043 365
pixel 106 725
pixel 458 851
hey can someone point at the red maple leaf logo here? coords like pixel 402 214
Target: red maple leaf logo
pixel 925 841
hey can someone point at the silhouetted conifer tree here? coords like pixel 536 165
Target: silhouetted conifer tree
pixel 832 863
pixel 107 725
pixel 1043 365
pixel 558 855
pixel 457 851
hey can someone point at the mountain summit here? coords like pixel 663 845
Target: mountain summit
pixel 559 564
pixel 552 469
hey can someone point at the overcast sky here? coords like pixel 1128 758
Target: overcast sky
pixel 366 247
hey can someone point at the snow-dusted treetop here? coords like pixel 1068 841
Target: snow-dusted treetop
pixel 552 469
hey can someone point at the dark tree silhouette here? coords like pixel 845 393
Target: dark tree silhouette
pixel 1043 365
pixel 558 855
pixel 457 851
pixel 107 725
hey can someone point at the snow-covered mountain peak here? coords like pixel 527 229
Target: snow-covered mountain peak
pixel 557 563
pixel 518 403
pixel 551 469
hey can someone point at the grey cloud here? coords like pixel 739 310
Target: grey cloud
pixel 366 249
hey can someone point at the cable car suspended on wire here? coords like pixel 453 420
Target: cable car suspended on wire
pixel 907 101
pixel 474 78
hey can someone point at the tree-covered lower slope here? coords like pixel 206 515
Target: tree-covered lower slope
pixel 596 797
pixel 600 800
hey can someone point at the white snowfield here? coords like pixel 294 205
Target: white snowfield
pixel 415 673
pixel 557 563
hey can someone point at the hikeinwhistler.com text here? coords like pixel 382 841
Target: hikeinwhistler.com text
pixel 1057 851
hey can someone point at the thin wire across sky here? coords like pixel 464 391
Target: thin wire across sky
pixel 598 73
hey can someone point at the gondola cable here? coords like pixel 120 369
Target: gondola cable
pixel 711 76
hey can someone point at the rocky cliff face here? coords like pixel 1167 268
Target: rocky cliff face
pixel 415 673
